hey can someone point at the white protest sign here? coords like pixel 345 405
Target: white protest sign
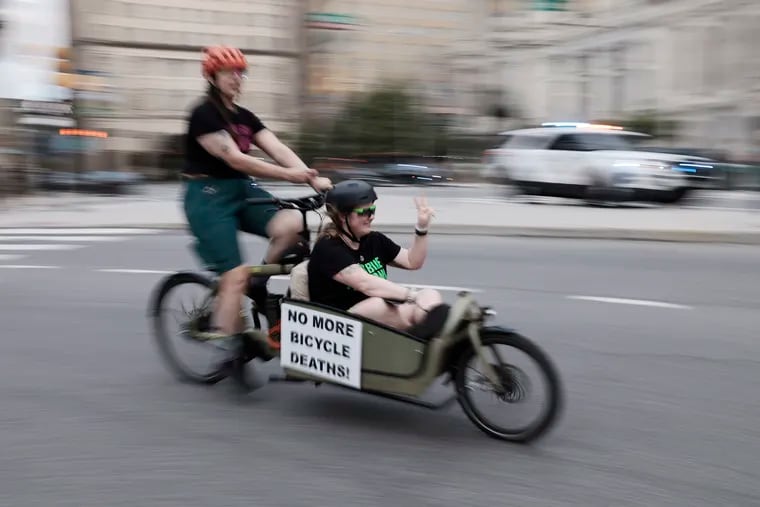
pixel 321 344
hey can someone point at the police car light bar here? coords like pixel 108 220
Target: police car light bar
pixel 564 124
pixel 581 125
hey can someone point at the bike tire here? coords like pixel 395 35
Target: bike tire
pixel 160 335
pixel 539 427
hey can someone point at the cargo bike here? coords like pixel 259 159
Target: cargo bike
pixel 324 345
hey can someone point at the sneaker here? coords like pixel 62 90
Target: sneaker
pixel 235 362
pixel 258 345
pixel 249 345
pixel 432 324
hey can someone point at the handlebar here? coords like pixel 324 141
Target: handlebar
pixel 308 203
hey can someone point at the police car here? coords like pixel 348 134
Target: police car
pixel 589 161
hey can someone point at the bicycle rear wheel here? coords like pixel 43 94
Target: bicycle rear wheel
pixel 192 321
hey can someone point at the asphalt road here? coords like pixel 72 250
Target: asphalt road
pixel 662 388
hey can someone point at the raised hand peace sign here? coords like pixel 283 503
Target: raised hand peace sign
pixel 424 212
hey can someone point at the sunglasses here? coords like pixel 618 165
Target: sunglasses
pixel 242 74
pixel 369 210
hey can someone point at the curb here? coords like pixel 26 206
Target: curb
pixel 674 236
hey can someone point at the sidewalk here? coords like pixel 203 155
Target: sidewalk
pixel 396 214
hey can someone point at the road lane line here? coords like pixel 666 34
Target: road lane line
pixel 86 231
pixel 44 237
pixel 636 302
pixel 23 247
pixel 444 288
pixel 135 271
pixel 26 266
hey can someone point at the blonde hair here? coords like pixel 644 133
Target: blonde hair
pixel 330 228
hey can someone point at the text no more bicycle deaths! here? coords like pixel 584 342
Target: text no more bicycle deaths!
pixel 322 345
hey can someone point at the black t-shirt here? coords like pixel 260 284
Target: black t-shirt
pixel 206 118
pixel 331 255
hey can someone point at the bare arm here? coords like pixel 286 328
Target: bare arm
pixel 414 257
pixel 277 150
pixel 221 145
pixel 358 279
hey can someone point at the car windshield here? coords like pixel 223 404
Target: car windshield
pixel 583 141
pixel 619 142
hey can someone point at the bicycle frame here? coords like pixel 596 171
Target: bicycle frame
pixel 326 345
pixel 303 205
pixel 397 363
pixel 392 361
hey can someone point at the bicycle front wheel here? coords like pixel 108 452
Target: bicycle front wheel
pixel 515 390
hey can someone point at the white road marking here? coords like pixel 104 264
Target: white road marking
pixel 87 231
pixel 22 247
pixel 720 208
pixel 62 238
pixel 286 277
pixel 23 266
pixel 9 257
pixel 480 200
pixel 444 288
pixel 637 302
pixel 135 271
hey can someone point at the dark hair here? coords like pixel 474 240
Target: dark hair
pixel 214 96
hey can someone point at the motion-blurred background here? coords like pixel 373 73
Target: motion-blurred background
pixel 94 93
pixel 548 135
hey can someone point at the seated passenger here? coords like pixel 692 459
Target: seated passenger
pixel 348 264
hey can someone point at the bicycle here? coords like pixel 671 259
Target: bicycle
pixel 320 345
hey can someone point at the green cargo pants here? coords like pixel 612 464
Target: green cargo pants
pixel 216 210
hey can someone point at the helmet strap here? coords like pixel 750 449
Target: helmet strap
pixel 349 232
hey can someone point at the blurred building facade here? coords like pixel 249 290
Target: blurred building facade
pixel 33 107
pixel 355 46
pixel 137 63
pixel 690 60
pixel 307 56
pixel 144 58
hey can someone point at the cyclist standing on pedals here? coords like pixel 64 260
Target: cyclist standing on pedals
pixel 218 174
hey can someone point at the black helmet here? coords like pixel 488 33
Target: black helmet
pixel 347 195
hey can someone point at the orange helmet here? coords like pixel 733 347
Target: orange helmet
pixel 216 58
